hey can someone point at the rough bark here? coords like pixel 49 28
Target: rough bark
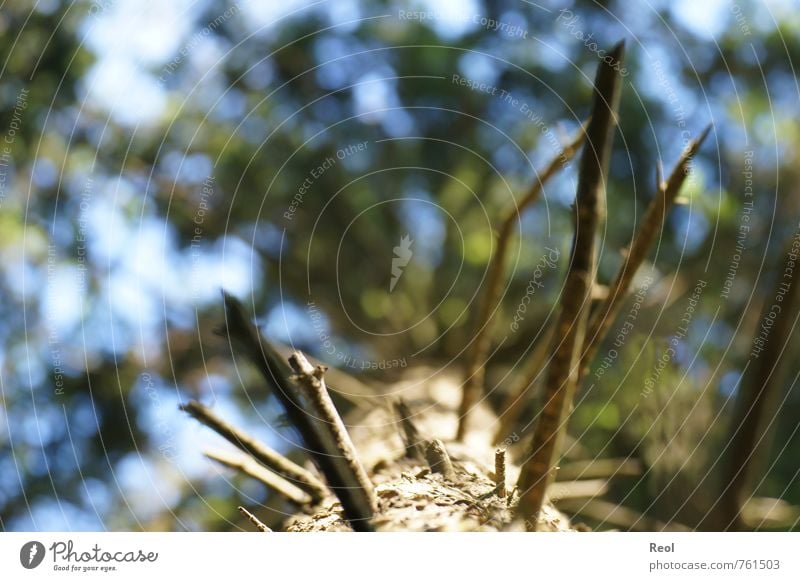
pixel 411 496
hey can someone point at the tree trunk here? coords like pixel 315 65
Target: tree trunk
pixel 414 493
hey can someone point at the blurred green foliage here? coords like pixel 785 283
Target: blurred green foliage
pixel 143 178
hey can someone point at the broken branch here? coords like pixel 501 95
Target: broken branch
pixel 313 381
pixel 438 459
pixel 253 519
pixel 500 472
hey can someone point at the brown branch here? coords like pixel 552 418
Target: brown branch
pixel 254 519
pixel 262 453
pixel 313 381
pixel 559 388
pixel 253 469
pixel 322 449
pixel 482 342
pixel 650 228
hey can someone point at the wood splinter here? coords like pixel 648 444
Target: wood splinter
pixel 254 519
pixel 312 379
pixel 500 472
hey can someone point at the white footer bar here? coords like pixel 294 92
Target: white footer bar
pixel 390 556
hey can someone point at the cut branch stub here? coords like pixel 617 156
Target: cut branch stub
pixel 500 472
pixel 439 460
pixel 559 388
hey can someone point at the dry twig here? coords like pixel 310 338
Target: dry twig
pixel 313 381
pixel 270 458
pixel 253 469
pixel 651 226
pixel 481 344
pixel 559 388
pixel 254 519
